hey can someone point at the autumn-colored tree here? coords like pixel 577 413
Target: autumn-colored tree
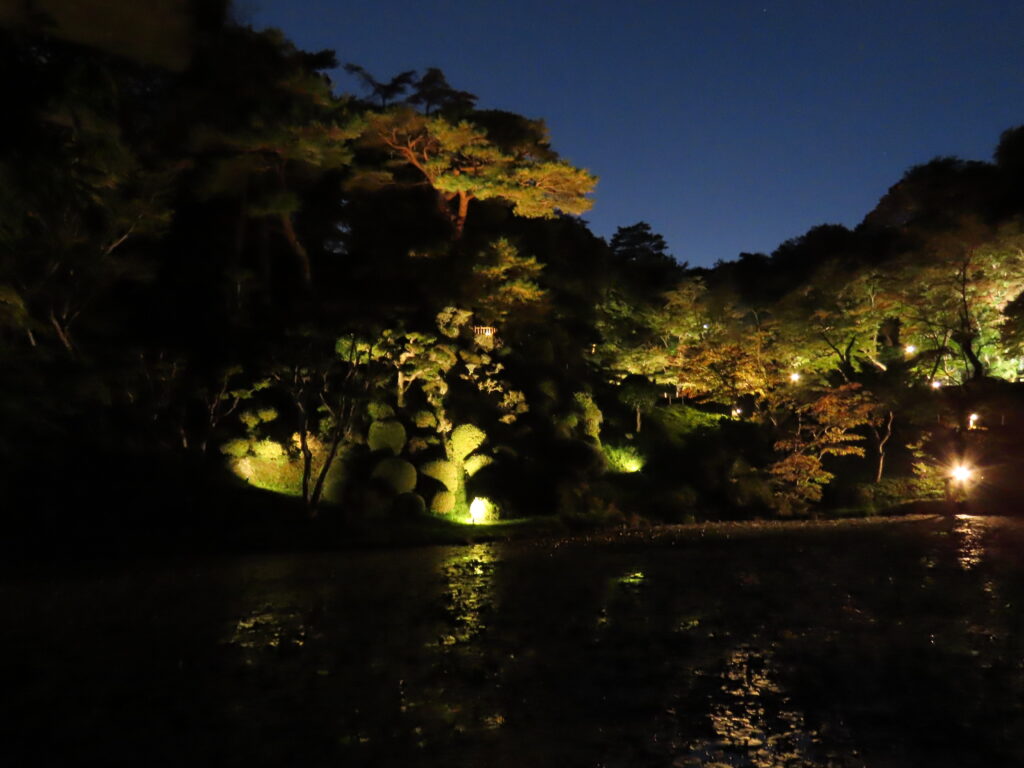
pixel 823 427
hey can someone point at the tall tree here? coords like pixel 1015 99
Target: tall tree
pixel 489 156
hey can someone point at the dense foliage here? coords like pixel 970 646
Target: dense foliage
pixel 387 305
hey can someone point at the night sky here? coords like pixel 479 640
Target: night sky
pixel 729 126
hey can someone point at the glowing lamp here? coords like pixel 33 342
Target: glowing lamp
pixel 794 377
pixel 972 421
pixel 961 473
pixel 936 384
pixel 481 510
pixel 910 349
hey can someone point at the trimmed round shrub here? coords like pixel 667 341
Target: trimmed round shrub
pixel 443 503
pixel 387 436
pixel 236 448
pixel 268 449
pixel 398 474
pixel 475 463
pixel 425 420
pixel 465 439
pixel 445 472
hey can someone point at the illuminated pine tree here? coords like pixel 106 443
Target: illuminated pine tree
pixel 491 156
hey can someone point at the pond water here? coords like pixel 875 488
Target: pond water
pixel 897 644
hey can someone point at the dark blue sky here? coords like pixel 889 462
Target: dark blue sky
pixel 728 125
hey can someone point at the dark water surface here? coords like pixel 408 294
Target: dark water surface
pixel 895 644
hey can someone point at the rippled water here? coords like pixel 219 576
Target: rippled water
pixel 882 645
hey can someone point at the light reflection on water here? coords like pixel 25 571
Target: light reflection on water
pixel 971 531
pixel 470 596
pixel 887 648
pixel 269 628
pixel 755 723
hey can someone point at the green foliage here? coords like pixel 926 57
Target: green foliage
pixel 268 465
pixel 236 448
pixel 445 472
pixel 474 464
pixel 503 285
pixel 497 156
pixel 929 477
pixel 625 458
pixel 443 503
pixel 487 376
pixel 379 411
pixel 13 310
pixel 268 449
pixel 681 421
pixel 639 393
pixel 399 474
pixel 267 415
pixel 387 436
pixel 892 492
pixel 592 416
pixel 465 439
pixel 451 321
pixel 425 420
pixel 157 229
pixel 253 419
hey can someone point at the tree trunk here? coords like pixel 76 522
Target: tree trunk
pixel 638 419
pixel 882 437
pixel 404 382
pixel 307 461
pixel 321 478
pixel 460 216
pixel 301 256
pixel 966 343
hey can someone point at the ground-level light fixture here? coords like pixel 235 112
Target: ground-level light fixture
pixel 737 412
pixel 481 511
pixel 910 349
pixel 972 421
pixel 794 377
pixel 936 384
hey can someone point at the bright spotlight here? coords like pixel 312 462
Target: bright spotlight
pixel 910 349
pixel 794 377
pixel 481 510
pixel 936 384
pixel 961 473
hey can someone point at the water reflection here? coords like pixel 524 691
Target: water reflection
pixel 970 532
pixel 269 628
pixel 754 722
pixel 892 646
pixel 468 577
